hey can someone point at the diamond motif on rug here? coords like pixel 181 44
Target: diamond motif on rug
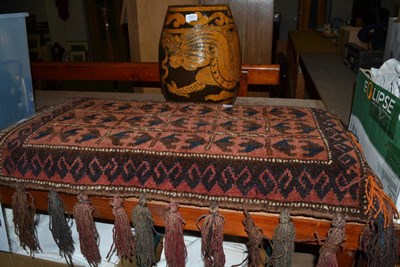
pixel 270 157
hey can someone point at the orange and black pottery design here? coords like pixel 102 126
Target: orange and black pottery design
pixel 199 54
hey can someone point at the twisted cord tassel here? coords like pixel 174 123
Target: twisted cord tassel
pixel 175 249
pixel 379 240
pixel 143 223
pixel 88 235
pixel 255 243
pixel 24 210
pixel 212 237
pixel 59 226
pixel 380 243
pixel 283 241
pixel 336 236
pixel 123 239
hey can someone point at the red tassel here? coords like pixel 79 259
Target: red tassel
pixel 212 236
pixel 175 249
pixel 255 243
pixel 123 239
pixel 143 224
pixel 336 236
pixel 24 220
pixel 88 235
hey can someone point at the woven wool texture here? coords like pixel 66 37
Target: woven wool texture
pixel 259 157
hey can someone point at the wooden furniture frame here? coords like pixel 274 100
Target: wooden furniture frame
pixel 306 228
pixel 144 72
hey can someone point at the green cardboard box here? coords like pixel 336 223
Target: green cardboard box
pixel 375 121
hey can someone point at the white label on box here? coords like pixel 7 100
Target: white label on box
pixel 191 17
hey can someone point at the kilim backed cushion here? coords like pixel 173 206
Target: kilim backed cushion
pixel 264 157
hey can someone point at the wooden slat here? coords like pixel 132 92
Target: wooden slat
pixel 243 85
pixel 134 71
pixel 262 74
pixel 96 71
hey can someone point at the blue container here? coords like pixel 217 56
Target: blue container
pixel 16 94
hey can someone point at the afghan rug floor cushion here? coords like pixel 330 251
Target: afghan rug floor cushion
pixel 262 157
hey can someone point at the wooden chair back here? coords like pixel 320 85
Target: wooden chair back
pixel 144 72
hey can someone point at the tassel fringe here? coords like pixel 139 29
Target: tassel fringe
pixel 255 243
pixel 143 223
pixel 335 237
pixel 123 239
pixel 212 237
pixel 88 235
pixel 379 203
pixel 59 227
pixel 175 249
pixel 283 241
pixel 379 240
pixel 380 243
pixel 378 200
pixel 24 210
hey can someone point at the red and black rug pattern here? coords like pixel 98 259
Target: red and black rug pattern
pixel 264 157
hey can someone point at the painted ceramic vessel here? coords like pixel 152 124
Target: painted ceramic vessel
pixel 199 54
